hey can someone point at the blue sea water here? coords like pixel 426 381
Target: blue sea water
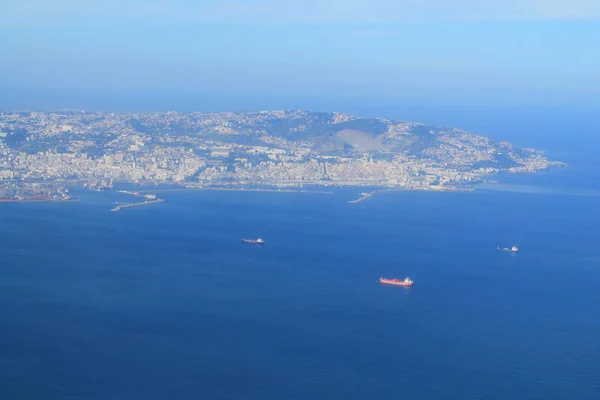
pixel 166 302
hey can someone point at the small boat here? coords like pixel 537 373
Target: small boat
pixel 513 249
pixel 395 281
pixel 257 241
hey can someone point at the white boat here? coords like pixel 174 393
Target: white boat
pixel 257 241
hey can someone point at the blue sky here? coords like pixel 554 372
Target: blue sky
pixel 510 50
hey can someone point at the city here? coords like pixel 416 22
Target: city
pixel 268 148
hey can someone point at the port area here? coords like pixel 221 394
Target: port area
pixel 37 200
pixel 131 205
pixel 33 192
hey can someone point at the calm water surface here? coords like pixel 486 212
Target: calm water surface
pixel 166 302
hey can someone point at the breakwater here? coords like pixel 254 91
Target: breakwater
pixel 363 197
pixel 131 205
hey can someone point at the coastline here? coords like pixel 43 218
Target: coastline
pixel 234 189
pixel 38 200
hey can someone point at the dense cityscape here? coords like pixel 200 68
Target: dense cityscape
pixel 267 148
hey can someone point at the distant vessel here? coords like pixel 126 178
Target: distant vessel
pixel 257 241
pixel 395 281
pixel 513 249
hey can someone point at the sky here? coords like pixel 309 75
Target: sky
pixel 477 51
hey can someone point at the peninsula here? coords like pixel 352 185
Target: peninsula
pixel 286 148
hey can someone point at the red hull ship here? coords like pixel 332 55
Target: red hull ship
pixel 395 281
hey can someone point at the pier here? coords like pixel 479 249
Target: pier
pixel 363 197
pixel 131 205
pixel 138 194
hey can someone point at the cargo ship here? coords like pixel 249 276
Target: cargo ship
pixel 395 281
pixel 257 241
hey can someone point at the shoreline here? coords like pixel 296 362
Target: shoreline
pixel 38 201
pixel 232 189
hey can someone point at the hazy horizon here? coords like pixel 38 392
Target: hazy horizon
pixel 525 53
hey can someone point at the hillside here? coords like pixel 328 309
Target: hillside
pixel 267 147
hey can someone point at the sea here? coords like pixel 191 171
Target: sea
pixel 166 302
